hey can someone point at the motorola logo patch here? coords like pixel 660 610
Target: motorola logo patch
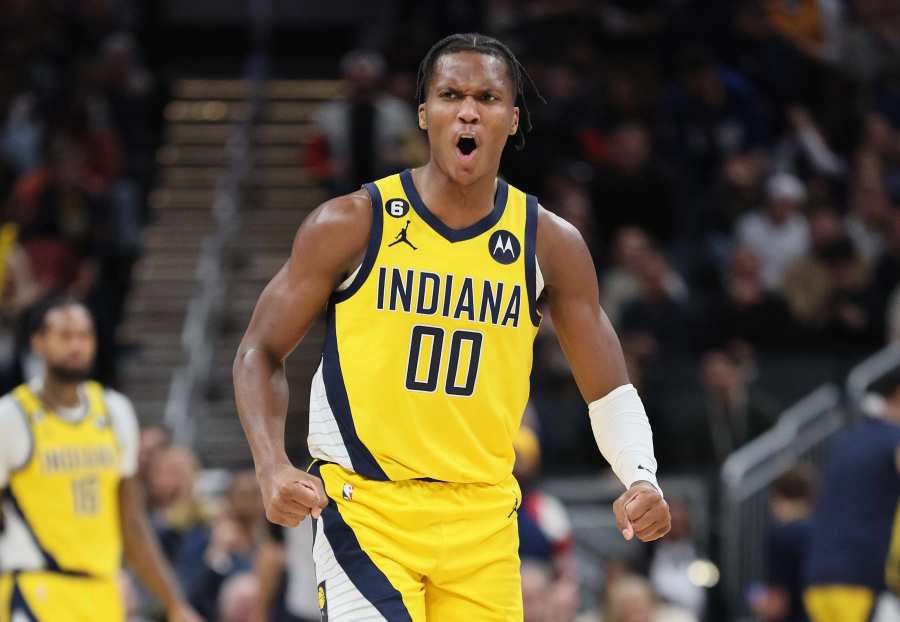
pixel 504 247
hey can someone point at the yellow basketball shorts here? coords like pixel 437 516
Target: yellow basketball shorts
pixel 55 597
pixel 412 551
pixel 839 603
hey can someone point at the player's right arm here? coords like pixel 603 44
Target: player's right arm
pixel 329 245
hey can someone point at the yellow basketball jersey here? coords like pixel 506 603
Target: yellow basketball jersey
pixel 67 493
pixel 428 350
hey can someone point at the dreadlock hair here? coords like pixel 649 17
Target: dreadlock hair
pixel 475 42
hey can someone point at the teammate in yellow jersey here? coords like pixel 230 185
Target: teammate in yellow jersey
pixel 433 282
pixel 71 502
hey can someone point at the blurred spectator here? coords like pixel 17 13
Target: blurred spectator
pixel 630 598
pixel 791 502
pixel 239 599
pixel 175 513
pixel 779 233
pixel 18 291
pixel 671 560
pixel 852 321
pixel 736 192
pixel 366 136
pixel 886 277
pixel 153 441
pixel 711 112
pixel 621 282
pixel 736 410
pixel 62 221
pixel 746 310
pixel 536 582
pixel 568 197
pixel 806 284
pixel 805 144
pixel 208 557
pixel 630 190
pixel 869 208
pixel 813 26
pixel 287 576
pixel 657 323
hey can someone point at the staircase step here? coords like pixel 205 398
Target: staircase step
pixel 192 199
pixel 286 198
pixel 188 155
pixel 274 89
pixel 218 133
pixel 305 89
pixel 290 112
pixel 206 111
pixel 284 133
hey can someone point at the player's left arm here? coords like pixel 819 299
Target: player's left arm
pixel 139 542
pixel 144 555
pixel 594 353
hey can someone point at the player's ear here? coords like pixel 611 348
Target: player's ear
pixel 423 124
pixel 515 121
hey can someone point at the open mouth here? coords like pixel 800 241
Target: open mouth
pixel 466 146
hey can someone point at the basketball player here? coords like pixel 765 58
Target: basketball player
pixel 71 500
pixel 854 554
pixel 425 368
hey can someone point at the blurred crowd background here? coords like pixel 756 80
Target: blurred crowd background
pixel 733 166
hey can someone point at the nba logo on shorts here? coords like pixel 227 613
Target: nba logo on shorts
pixel 323 604
pixel 347 492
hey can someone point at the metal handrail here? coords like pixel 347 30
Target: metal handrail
pixel 203 318
pixel 782 436
pixel 868 372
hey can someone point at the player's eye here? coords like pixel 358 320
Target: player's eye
pixel 488 97
pixel 448 94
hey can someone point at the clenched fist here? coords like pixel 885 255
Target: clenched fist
pixel 290 495
pixel 642 511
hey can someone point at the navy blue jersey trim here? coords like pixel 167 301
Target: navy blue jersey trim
pixel 362 571
pixel 531 219
pixel 455 235
pixel 18 604
pixel 50 563
pixel 361 458
pixel 371 248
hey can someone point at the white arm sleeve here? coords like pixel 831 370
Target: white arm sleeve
pixel 623 435
pixel 125 425
pixel 15 439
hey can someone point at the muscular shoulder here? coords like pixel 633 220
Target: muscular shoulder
pixel 338 230
pixel 560 247
pixel 345 211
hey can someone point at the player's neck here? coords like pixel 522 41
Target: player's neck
pixel 58 393
pixel 457 205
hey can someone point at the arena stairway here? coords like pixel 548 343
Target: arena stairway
pixel 275 197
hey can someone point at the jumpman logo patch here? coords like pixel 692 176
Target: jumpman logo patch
pixel 401 237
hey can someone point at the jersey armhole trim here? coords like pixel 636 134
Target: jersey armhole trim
pixel 365 268
pixel 531 217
